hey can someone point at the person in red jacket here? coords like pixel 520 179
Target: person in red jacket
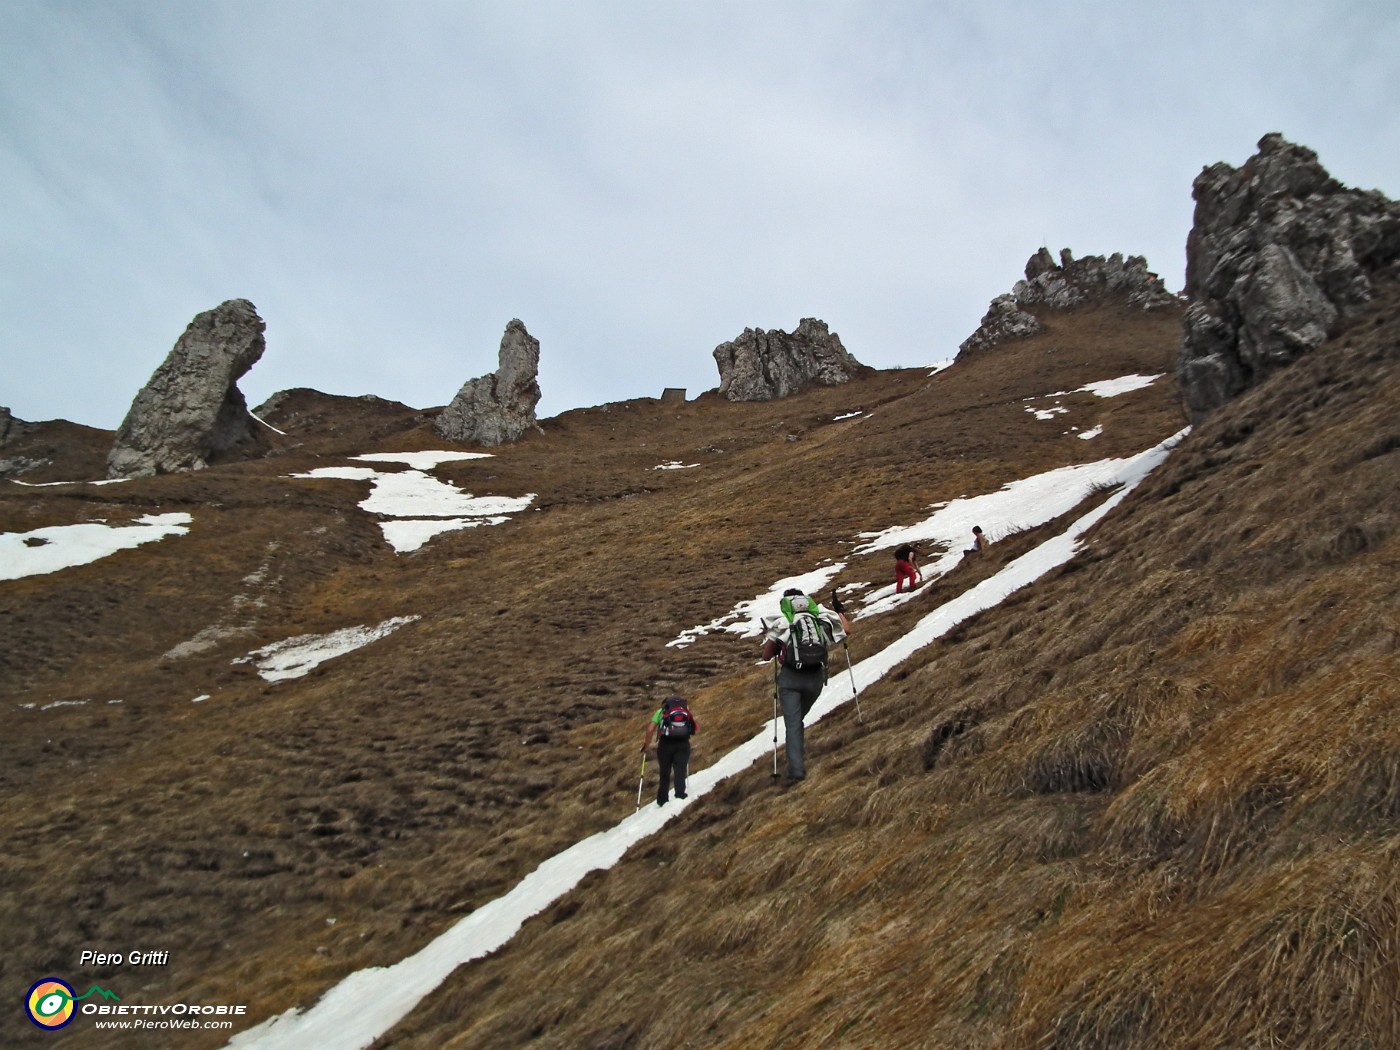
pixel 906 566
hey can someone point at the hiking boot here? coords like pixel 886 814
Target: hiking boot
pixel 680 794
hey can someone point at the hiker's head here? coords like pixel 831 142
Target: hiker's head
pixel 977 529
pixel 790 592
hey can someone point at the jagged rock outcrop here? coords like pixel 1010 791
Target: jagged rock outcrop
pixel 1279 255
pixel 1003 321
pixel 7 420
pixel 191 412
pixel 1063 286
pixel 761 365
pixel 1072 282
pixel 497 409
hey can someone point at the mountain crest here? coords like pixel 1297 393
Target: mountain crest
pixel 1066 285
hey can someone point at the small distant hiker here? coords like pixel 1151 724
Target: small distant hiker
pixel 979 542
pixel 906 566
pixel 799 639
pixel 673 725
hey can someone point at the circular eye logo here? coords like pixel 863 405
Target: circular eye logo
pixel 50 1003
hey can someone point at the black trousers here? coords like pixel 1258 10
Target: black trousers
pixel 672 757
pixel 797 692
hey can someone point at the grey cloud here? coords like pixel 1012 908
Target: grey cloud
pixel 391 182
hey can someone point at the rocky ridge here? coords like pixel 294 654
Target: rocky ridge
pixel 1280 254
pixel 1065 285
pixel 760 365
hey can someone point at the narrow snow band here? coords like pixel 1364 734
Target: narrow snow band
pixel 267 424
pixel 299 656
pixel 369 1002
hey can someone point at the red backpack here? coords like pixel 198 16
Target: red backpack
pixel 676 720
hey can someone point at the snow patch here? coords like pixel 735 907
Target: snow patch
pixel 1021 505
pixel 745 620
pixel 1122 385
pixel 1102 388
pixel 51 484
pixel 413 494
pixel 410 534
pixel 424 506
pixel 295 657
pixel 65 546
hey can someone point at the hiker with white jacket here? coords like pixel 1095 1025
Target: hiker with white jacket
pixel 797 640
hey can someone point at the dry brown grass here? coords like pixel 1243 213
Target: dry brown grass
pixel 1154 803
pixel 1150 801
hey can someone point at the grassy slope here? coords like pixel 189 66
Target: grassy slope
pixel 397 788
pixel 1149 802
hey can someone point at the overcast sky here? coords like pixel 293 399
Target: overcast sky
pixel 637 180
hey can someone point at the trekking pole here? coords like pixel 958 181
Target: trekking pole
pixel 775 718
pixel 836 604
pixel 852 673
pixel 642 781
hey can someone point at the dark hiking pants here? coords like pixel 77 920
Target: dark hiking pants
pixel 672 757
pixel 797 692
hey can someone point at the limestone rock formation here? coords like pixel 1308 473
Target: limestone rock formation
pixel 1063 286
pixel 191 412
pixel 497 409
pixel 1003 321
pixel 761 366
pixel 1072 282
pixel 1279 255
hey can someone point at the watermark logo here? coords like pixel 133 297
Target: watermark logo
pixel 50 1002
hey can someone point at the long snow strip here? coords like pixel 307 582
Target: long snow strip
pixel 368 1003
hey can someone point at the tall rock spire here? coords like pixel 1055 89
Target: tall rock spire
pixel 191 412
pixel 499 408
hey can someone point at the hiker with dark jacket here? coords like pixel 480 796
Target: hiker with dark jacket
pixel 798 639
pixel 673 726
